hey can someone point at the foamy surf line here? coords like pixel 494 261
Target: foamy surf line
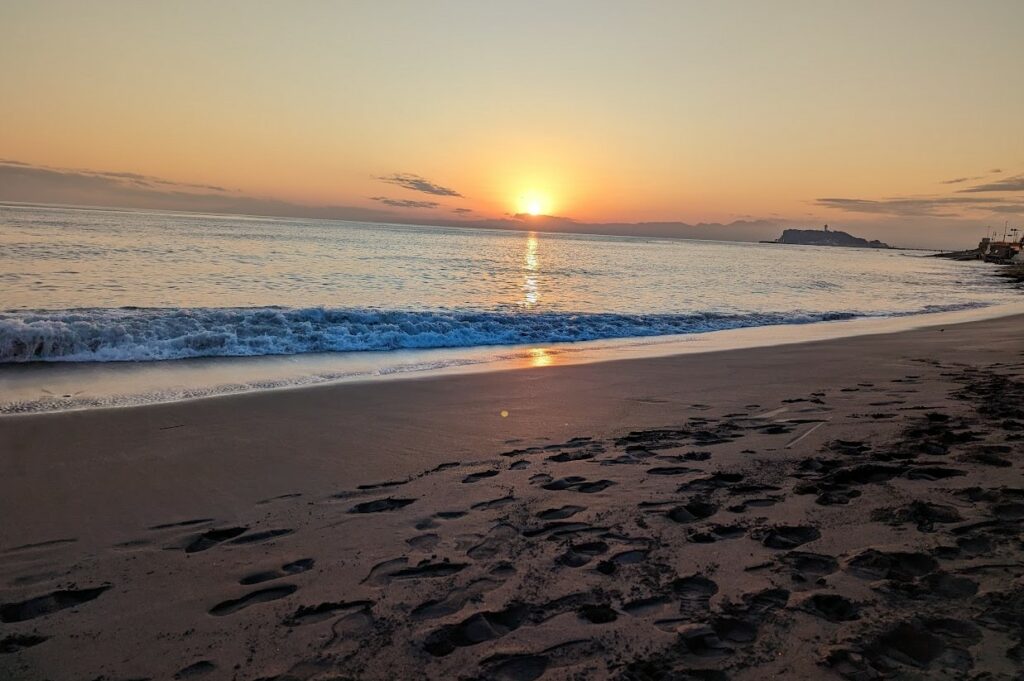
pixel 35 387
pixel 154 334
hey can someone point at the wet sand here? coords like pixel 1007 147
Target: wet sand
pixel 842 509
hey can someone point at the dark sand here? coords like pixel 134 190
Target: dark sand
pixel 843 509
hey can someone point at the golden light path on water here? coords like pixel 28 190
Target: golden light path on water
pixel 531 268
pixel 537 357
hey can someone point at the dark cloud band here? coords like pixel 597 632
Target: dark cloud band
pixel 1010 184
pixel 405 203
pixel 939 206
pixel 418 184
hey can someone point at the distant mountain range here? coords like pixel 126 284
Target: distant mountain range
pixel 825 237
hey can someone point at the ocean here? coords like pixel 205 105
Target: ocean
pixel 86 286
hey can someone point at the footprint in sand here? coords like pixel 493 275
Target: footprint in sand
pixel 560 513
pixel 293 568
pixel 566 457
pixel 454 600
pixel 562 528
pixel 902 566
pixel 493 503
pixel 478 476
pixel 631 557
pixel 476 629
pixel 382 485
pixel 832 607
pixel 692 511
pixel 257 537
pixel 805 563
pixel 308 614
pixel 380 505
pixel 789 536
pixel 182 523
pixel 743 506
pixel 653 606
pixel 200 668
pixel 395 569
pixel 530 666
pixel 280 497
pixel 694 592
pixel 578 555
pixel 672 470
pixel 50 603
pixel 918 644
pixel 712 482
pixel 41 545
pixel 207 540
pixel 739 622
pixel 499 540
pixel 232 606
pixel 15 642
pixel 576 483
pixel 716 533
pixel 423 542
pixel 923 514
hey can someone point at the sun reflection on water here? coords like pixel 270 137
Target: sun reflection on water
pixel 531 267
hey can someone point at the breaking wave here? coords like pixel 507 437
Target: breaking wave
pixel 148 334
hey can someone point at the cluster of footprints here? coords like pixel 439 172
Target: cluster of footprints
pixel 696 551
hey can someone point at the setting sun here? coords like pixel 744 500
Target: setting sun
pixel 533 204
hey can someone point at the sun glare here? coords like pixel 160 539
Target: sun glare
pixel 533 204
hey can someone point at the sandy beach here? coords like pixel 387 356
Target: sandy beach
pixel 848 508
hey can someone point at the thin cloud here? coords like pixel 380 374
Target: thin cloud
pixel 939 206
pixel 1010 184
pixel 405 203
pixel 462 210
pixel 133 178
pixel 127 176
pixel 1009 208
pixel 418 184
pixel 26 183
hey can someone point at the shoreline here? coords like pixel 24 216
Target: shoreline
pixel 424 400
pixel 692 512
pixel 106 384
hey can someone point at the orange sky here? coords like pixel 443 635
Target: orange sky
pixel 604 112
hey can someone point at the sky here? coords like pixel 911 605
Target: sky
pixel 896 120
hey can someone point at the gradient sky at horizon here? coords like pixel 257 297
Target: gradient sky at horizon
pixel 606 111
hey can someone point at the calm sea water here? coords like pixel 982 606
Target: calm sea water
pixel 95 285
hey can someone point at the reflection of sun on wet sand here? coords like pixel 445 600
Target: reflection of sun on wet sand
pixel 843 509
pixel 541 357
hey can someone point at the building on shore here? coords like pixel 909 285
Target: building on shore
pixel 1000 251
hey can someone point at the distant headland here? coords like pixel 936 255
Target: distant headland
pixel 825 237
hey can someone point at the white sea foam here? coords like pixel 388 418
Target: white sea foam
pixel 147 334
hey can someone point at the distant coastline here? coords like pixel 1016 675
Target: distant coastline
pixel 737 231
